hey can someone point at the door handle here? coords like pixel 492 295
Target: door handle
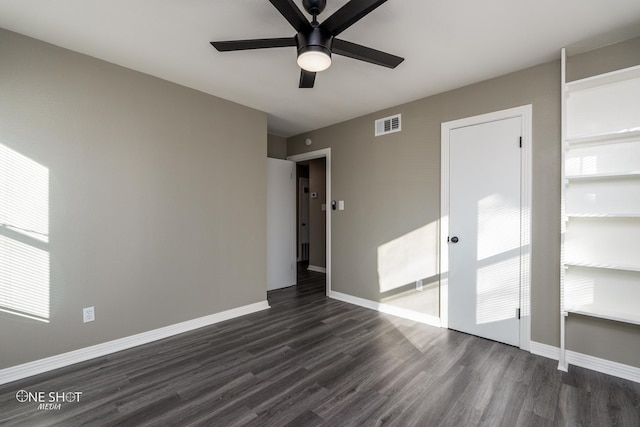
pixel 454 239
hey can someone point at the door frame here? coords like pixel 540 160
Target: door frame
pixel 326 154
pixel 525 112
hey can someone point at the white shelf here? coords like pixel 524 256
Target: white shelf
pixel 600 275
pixel 593 310
pixel 605 138
pixel 604 79
pixel 603 176
pixel 608 215
pixel 603 266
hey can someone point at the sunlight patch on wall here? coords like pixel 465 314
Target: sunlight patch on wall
pixel 24 236
pixel 24 278
pixel 425 302
pixel 408 258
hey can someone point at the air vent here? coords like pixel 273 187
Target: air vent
pixel 388 125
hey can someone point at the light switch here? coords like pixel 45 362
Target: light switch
pixel 340 205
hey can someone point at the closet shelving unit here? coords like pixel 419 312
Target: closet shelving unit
pixel 600 274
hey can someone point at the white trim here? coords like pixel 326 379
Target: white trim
pixel 65 359
pixel 388 309
pixel 318 154
pixel 608 367
pixel 525 112
pixel 562 364
pixel 316 268
pixel 586 361
pixel 544 350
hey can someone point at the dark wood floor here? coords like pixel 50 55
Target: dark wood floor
pixel 309 361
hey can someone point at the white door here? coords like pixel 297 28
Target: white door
pixel 484 229
pixel 281 217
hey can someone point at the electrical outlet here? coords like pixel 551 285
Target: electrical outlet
pixel 88 314
pixel 419 285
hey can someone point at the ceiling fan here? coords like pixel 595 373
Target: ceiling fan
pixel 316 42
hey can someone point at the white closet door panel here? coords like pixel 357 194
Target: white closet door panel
pixel 605 241
pixel 485 218
pixel 281 235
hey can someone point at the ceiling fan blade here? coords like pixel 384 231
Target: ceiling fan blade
pixel 349 14
pixel 291 13
pixel 307 79
pixel 363 53
pixel 230 45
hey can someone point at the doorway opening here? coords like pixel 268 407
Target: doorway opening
pixel 313 169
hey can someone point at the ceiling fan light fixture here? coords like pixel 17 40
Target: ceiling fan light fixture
pixel 314 50
pixel 314 59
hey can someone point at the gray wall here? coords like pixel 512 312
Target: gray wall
pixel 391 186
pixel 157 197
pixel 610 58
pixel 317 217
pixel 276 147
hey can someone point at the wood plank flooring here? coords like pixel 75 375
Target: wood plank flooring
pixel 313 361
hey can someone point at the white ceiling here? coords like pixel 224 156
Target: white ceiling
pixel 447 44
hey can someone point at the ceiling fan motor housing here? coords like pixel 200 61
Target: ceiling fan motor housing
pixel 318 40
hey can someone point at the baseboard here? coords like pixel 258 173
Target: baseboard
pixel 544 350
pixel 387 309
pixel 316 268
pixel 582 360
pixel 25 370
pixel 616 369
